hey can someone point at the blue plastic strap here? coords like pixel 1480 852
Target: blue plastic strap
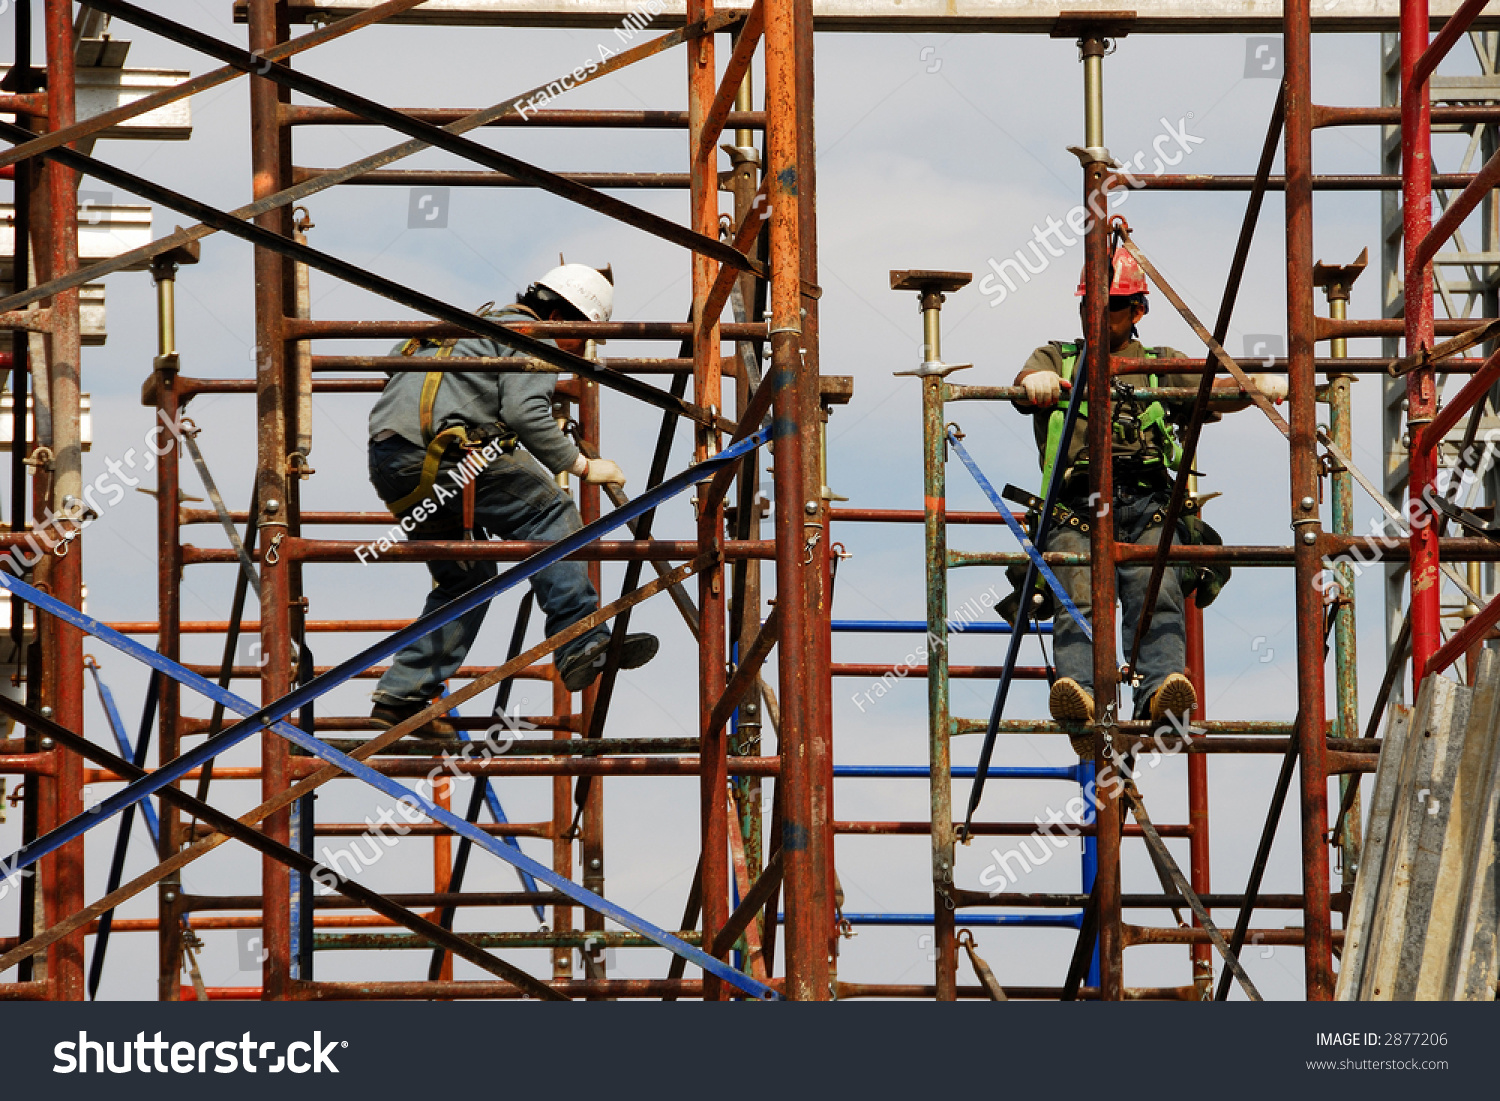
pixel 1020 533
pixel 117 725
pixel 497 812
pixel 270 716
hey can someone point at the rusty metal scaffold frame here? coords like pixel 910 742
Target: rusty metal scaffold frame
pixel 773 211
pixel 761 257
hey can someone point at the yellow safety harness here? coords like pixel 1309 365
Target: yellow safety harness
pixel 438 443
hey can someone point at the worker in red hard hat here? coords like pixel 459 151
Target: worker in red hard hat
pixel 1146 453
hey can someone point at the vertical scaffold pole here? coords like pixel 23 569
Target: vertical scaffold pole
pixel 930 286
pixel 1305 522
pixel 1337 283
pixel 1096 162
pixel 169 612
pixel 65 963
pixel 274 292
pixel 1199 850
pixel 935 500
pixel 707 392
pixel 816 524
pixel 1421 389
pixel 806 827
pixel 591 827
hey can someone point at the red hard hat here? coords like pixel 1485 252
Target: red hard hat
pixel 1129 279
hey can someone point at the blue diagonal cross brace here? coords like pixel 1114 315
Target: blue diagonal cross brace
pixel 270 716
pixel 1020 533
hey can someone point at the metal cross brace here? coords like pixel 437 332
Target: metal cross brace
pixel 1164 858
pixel 1020 533
pixel 188 436
pixel 122 739
pixel 270 717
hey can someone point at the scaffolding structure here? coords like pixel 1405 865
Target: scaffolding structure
pixel 759 876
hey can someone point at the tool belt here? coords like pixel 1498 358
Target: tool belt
pixel 1203 582
pixel 463 437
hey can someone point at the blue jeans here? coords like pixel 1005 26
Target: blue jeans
pixel 514 499
pixel 1164 649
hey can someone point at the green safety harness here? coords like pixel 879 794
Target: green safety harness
pixel 1151 422
pixel 1160 452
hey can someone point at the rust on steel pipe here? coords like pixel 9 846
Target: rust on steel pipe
pixel 309 115
pixel 1361 182
pixel 488 364
pixel 912 516
pixel 443 550
pixel 202 903
pixel 315 329
pixel 655 989
pixel 430 829
pixel 301 767
pixel 404 177
pixel 997 829
pixel 1143 934
pixel 955 392
pixel 375 672
pixel 1097 268
pixel 968 672
pixel 1328 328
pixel 1331 365
pixel 703 214
pixel 1070 901
pixel 335 723
pixel 189 516
pixel 274 303
pixel 62 875
pixel 1302 332
pixel 793 390
pixel 191 387
pixel 1391 116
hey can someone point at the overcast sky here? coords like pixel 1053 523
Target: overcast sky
pixel 934 151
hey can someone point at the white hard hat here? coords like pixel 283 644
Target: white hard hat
pixel 589 291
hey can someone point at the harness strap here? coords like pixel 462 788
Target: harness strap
pixel 431 462
pixel 431 383
pixel 1155 416
pixel 438 444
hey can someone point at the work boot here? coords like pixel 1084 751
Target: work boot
pixel 387 715
pixel 1071 703
pixel 578 672
pixel 1175 696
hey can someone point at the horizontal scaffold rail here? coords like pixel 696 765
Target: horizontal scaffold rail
pixel 907 16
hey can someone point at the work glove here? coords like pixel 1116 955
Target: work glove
pixel 1042 388
pixel 1272 386
pixel 603 472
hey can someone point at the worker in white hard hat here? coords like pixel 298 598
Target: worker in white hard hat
pixel 435 436
pixel 1146 454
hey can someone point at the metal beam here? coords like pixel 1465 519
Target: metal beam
pixel 906 16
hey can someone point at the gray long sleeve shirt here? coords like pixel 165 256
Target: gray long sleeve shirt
pixel 522 400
